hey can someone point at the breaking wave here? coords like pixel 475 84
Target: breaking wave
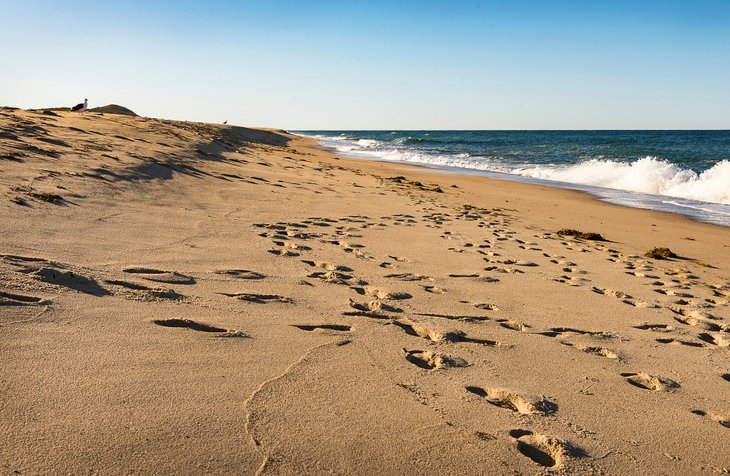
pixel 647 175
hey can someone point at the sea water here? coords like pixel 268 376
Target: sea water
pixel 686 172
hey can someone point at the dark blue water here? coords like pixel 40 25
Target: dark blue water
pixel 684 172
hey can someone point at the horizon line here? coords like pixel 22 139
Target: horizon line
pixel 509 130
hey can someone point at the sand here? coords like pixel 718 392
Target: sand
pixel 189 298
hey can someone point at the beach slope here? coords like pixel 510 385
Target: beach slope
pixel 179 297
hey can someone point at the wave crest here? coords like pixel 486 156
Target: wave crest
pixel 647 175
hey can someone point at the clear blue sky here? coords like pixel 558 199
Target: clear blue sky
pixel 542 64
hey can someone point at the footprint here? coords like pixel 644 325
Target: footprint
pixel 571 280
pixel 564 263
pixel 439 336
pixel 434 290
pixel 512 324
pixel 326 266
pixel 655 327
pixel 70 280
pixel 675 293
pixel 556 331
pixel 504 269
pixel 332 277
pixel 240 273
pixel 595 350
pixel 418 330
pixel 721 420
pixel 260 298
pixel 128 285
pixel 169 277
pixel 399 296
pixel 370 314
pixel 724 421
pixel 611 292
pixel 290 245
pixel 486 306
pixel 379 294
pixel 283 252
pixel 433 360
pixel 650 382
pixel 696 318
pixel 11 299
pixel 314 327
pixel 642 275
pixel 198 326
pixel 374 306
pixel 20 260
pixel 679 341
pixel 146 292
pixel 409 277
pixel 505 399
pixel 546 451
pixel 640 304
pixel 713 339
pixel 453 317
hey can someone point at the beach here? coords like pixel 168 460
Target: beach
pixel 186 298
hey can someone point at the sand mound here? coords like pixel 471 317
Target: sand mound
pixel 113 109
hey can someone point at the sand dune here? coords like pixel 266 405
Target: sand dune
pixel 196 298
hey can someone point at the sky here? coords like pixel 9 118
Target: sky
pixel 308 65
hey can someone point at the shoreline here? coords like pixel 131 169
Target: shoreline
pixel 547 187
pixel 185 297
pixel 700 211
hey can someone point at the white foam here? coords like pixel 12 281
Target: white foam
pixel 647 175
pixel 369 143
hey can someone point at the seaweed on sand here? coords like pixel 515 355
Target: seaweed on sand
pixel 581 234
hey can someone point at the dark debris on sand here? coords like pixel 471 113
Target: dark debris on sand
pixel 660 253
pixel 581 234
pixel 46 197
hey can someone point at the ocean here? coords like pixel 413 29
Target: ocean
pixel 685 172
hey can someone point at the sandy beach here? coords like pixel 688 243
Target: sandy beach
pixel 189 298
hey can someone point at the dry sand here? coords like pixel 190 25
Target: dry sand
pixel 187 298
